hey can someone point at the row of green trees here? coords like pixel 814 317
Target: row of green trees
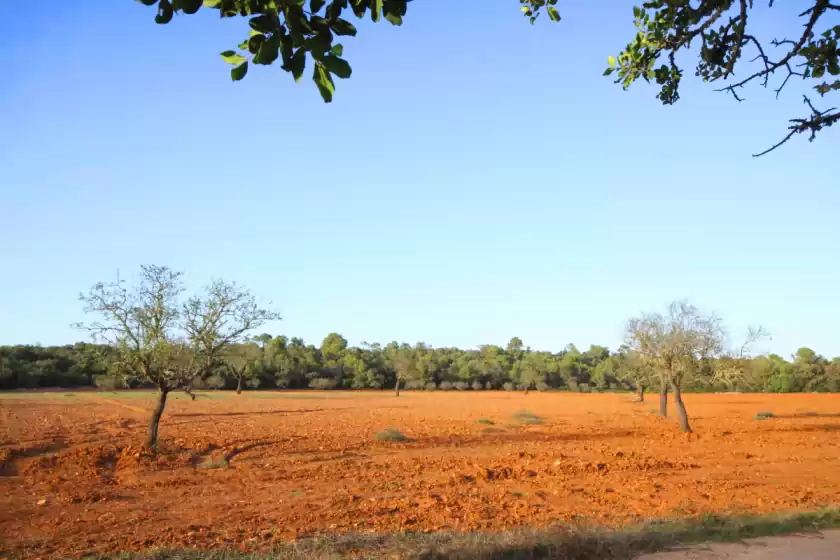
pixel 279 362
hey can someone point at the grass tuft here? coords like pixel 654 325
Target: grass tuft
pixel 390 434
pixel 527 417
pixel 763 415
pixel 221 463
pixel 485 421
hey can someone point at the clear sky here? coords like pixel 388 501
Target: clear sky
pixel 477 178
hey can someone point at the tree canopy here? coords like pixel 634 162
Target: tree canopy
pixel 719 33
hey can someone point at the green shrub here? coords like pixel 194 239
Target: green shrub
pixel 107 382
pixel 485 421
pixel 527 417
pixel 322 383
pixel 390 434
pixel 763 415
pixel 508 386
pixel 210 464
pixel 461 385
pixel 445 386
pixel 431 386
pixel 477 386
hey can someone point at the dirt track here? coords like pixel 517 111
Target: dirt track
pixel 247 471
pixel 825 546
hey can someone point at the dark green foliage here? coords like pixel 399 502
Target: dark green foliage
pixel 280 362
pixel 763 415
pixel 485 421
pixel 719 30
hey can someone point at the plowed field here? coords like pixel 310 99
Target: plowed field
pixel 246 471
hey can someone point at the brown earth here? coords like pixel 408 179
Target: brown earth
pixel 247 471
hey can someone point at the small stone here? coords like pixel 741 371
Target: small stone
pixel 42 502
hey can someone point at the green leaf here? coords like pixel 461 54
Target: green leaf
pixel 269 50
pixel 337 66
pixel 189 6
pixel 608 71
pixel 337 50
pixel 343 27
pixel 232 58
pixel 238 72
pixel 254 43
pixel 153 2
pixel 395 10
pixel 334 9
pixel 637 12
pixel 263 24
pixel 316 5
pixel 298 63
pixel 324 82
pixel 212 3
pixel 360 7
pixel 611 61
pixel 375 10
pixel 165 12
pixel 553 13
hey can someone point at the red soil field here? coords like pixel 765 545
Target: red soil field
pixel 248 471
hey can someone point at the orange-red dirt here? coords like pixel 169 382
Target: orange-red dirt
pixel 247 471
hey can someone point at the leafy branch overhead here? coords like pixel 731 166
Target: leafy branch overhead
pixel 301 32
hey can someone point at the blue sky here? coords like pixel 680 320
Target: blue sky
pixel 476 179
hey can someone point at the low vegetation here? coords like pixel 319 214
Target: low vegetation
pixel 527 417
pixel 485 421
pixel 764 415
pixel 570 543
pixel 390 434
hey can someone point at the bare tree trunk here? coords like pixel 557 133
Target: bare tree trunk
pixel 640 391
pixel 526 389
pixel 239 386
pixel 397 387
pixel 663 399
pixel 152 438
pixel 681 413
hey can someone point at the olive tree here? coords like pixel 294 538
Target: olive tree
pixel 242 362
pixel 167 340
pixel 719 34
pixel 676 345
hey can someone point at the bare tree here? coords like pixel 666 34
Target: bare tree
pixel 732 369
pixel 164 340
pixel 678 345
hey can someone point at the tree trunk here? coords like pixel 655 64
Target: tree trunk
pixel 640 391
pixel 663 400
pixel 239 386
pixel 152 438
pixel 683 415
pixel 397 388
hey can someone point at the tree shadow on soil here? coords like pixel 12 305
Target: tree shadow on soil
pixel 254 413
pixel 514 436
pixel 816 428
pixel 7 465
pixel 809 415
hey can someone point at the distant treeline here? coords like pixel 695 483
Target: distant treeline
pixel 280 362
